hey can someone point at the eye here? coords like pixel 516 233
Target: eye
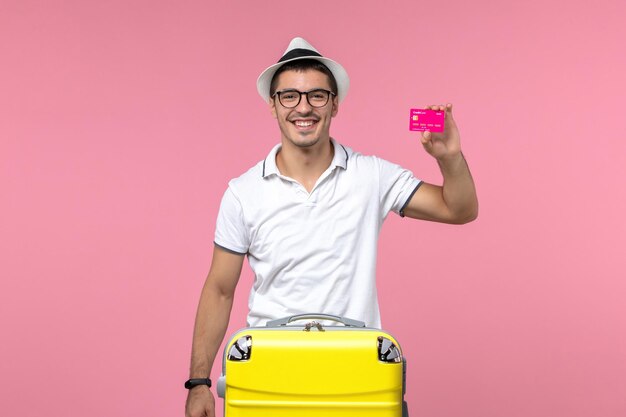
pixel 289 95
pixel 319 95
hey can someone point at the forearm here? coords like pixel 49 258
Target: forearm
pixel 211 324
pixel 459 191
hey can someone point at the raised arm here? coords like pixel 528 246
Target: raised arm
pixel 212 319
pixel 455 202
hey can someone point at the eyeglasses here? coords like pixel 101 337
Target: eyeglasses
pixel 290 97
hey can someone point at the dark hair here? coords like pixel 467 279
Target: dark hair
pixel 302 65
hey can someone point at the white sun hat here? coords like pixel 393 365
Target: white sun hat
pixel 300 49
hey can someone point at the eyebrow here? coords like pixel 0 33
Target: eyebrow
pixel 284 90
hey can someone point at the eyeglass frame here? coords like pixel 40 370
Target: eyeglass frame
pixel 300 93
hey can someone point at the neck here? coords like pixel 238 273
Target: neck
pixel 305 165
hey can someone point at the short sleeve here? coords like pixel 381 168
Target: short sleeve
pixel 230 230
pixel 397 186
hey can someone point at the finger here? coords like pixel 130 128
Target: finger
pixel 448 113
pixel 426 136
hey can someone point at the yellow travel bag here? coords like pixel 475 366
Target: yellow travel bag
pixel 313 370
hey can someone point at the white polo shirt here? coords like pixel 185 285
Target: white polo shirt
pixel 313 252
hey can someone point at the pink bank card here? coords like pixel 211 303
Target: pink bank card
pixel 422 119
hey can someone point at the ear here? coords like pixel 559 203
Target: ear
pixel 272 105
pixel 335 108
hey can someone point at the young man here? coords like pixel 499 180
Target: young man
pixel 308 216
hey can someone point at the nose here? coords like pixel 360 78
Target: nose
pixel 303 106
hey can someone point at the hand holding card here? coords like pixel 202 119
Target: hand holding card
pixel 441 143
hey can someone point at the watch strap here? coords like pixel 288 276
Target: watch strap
pixel 194 382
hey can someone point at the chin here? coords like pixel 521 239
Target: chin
pixel 305 142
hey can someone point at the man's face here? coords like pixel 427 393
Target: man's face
pixel 304 126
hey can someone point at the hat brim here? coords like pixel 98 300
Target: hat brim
pixel 340 74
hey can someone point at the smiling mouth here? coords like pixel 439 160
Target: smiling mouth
pixel 304 124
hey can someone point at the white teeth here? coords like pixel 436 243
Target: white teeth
pixel 303 123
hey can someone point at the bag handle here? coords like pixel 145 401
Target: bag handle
pixel 315 316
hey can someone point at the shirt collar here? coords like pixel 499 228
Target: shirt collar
pixel 340 159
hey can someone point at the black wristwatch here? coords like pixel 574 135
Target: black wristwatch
pixel 190 383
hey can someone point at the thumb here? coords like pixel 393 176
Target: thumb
pixel 426 136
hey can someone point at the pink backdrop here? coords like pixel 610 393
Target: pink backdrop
pixel 122 121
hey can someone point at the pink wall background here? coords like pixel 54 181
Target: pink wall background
pixel 122 121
